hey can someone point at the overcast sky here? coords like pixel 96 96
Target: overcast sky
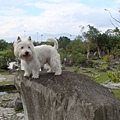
pixel 28 17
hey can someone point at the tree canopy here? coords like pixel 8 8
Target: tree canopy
pixel 79 49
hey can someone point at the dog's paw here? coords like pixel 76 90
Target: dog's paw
pixel 57 73
pixel 35 77
pixel 49 71
pixel 26 75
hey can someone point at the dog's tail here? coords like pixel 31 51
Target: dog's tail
pixel 54 41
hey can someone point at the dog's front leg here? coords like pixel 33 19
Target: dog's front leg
pixel 35 73
pixel 27 73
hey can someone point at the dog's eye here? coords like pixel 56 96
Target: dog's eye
pixel 28 46
pixel 22 47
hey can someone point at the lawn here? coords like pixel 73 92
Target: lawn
pixel 4 73
pixel 7 82
pixel 117 93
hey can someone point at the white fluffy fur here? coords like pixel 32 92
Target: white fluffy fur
pixel 34 57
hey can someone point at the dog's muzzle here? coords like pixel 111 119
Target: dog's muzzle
pixel 26 56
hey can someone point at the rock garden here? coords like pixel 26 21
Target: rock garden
pixel 10 103
pixel 107 74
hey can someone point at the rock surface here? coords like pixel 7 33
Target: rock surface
pixel 70 96
pixel 112 85
pixel 16 104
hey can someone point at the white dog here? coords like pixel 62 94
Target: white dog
pixel 34 57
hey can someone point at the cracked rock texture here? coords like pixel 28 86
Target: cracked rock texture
pixel 70 96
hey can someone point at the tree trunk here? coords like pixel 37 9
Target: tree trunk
pixel 99 52
pixel 88 50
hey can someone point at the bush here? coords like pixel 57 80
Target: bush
pixel 3 63
pixel 6 56
pixel 107 58
pixel 89 63
pixel 94 77
pixel 78 59
pixel 114 76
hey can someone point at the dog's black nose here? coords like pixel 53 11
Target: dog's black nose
pixel 26 53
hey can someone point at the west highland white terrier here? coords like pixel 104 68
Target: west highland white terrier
pixel 33 58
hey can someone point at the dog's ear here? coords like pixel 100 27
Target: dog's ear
pixel 18 39
pixel 29 39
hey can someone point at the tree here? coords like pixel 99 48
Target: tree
pixel 102 42
pixel 116 31
pixel 115 21
pixel 3 44
pixel 114 45
pixel 63 42
pixel 92 36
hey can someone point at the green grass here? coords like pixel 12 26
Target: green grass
pixel 4 73
pixel 117 93
pixel 98 61
pixel 6 82
pixel 103 77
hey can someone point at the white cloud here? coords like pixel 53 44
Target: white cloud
pixel 117 1
pixel 65 17
pixel 11 12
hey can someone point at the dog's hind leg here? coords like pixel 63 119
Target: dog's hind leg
pixel 48 68
pixel 55 64
pixel 58 70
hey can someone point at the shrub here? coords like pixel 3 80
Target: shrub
pixel 78 59
pixel 6 56
pixel 94 77
pixel 114 76
pixel 107 58
pixel 89 63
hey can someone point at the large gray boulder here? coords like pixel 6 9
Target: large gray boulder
pixel 70 96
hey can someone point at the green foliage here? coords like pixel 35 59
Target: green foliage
pixel 6 53
pixel 78 59
pixel 118 67
pixel 91 40
pixel 6 56
pixel 91 34
pixel 3 44
pixel 107 58
pixel 62 53
pixel 63 42
pixel 114 76
pixel 89 63
pixel 94 77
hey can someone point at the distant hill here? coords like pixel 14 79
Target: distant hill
pixel 42 37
